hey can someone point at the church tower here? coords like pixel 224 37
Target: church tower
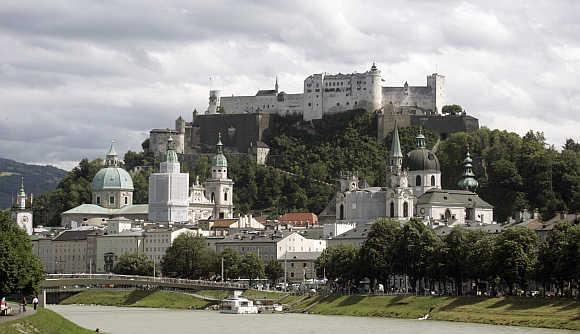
pixel 169 190
pixel 22 214
pixel 400 198
pixel 219 188
pixel 468 181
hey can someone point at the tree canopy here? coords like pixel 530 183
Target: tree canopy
pixel 134 264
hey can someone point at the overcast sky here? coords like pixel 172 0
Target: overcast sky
pixel 75 74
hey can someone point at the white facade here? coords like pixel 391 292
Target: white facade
pixel 333 229
pixel 333 93
pixel 169 191
pixel 22 215
pixel 110 247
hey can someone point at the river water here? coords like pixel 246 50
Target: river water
pixel 129 320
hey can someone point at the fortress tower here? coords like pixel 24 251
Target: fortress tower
pixel 214 101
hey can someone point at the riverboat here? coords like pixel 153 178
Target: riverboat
pixel 238 305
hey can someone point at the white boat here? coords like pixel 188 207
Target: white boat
pixel 238 305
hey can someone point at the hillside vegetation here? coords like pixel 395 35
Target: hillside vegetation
pixel 37 179
pixel 306 159
pixel 43 322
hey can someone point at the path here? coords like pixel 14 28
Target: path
pixel 17 313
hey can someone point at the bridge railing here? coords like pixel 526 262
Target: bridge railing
pixel 147 279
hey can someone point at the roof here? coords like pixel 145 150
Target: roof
pixel 489 228
pixel 299 217
pixel 359 232
pixel 71 235
pixel 302 255
pixel 223 223
pixel 256 238
pixel 89 209
pixel 460 198
pixel 112 178
pixel 396 144
pixel 263 92
pixel 135 209
pixel 422 159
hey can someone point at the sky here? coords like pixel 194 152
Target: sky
pixel 76 74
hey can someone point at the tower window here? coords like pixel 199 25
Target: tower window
pixel 392 209
pixel 418 180
pixel 341 212
pixel 98 200
pixel 126 200
pixel 225 196
pixel 405 209
pixel 111 199
pixel 212 197
pixel 433 180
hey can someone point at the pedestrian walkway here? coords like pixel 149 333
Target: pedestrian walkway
pixel 17 309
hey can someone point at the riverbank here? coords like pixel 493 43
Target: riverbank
pixel 138 298
pixel 42 322
pixel 512 311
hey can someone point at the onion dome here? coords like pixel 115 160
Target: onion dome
pixel 112 177
pixel 468 181
pixel 170 155
pixel 421 158
pixel 219 160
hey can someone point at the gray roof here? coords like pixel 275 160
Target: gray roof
pixel 422 159
pixel 135 209
pixel 73 235
pixel 359 232
pixel 256 238
pixel 458 198
pixel 89 209
pixel 489 228
pixel 264 92
pixel 302 255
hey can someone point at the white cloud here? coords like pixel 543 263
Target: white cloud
pixel 78 74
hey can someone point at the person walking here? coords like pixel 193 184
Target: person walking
pixel 23 304
pixel 35 302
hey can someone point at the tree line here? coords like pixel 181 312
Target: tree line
pixel 412 258
pixel 189 257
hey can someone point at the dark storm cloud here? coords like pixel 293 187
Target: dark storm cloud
pixel 76 74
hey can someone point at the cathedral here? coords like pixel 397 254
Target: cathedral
pixel 171 198
pixel 413 190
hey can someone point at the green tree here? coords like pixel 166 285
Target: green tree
pixel 251 267
pixel 274 271
pixel 20 270
pixel 134 264
pixel 516 256
pixel 378 253
pixel 558 259
pixel 189 257
pixel 452 109
pixel 231 262
pixel 339 264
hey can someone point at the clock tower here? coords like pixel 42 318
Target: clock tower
pixel 22 212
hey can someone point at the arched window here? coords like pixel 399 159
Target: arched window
pixel 126 200
pixel 447 214
pixel 225 196
pixel 418 180
pixel 433 180
pixel 98 200
pixel 405 209
pixel 341 212
pixel 392 209
pixel 212 197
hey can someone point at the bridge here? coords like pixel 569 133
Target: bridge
pixel 63 281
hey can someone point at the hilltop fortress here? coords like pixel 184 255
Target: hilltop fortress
pixel 245 121
pixel 333 93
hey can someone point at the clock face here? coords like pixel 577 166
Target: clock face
pixel 25 219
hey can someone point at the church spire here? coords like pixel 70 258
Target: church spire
pixel 219 145
pixel 21 197
pixel 468 181
pixel 276 85
pixel 111 160
pixel 396 154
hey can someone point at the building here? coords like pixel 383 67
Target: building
pixel 169 190
pixel 271 245
pixel 325 94
pixel 219 188
pixel 413 190
pixel 298 219
pixel 22 210
pixel 300 266
pixel 112 186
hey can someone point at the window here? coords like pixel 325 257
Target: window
pixel 418 180
pixel 433 180
pixel 291 274
pixel 111 199
pixel 337 103
pixel 212 197
pixel 98 200
pixel 126 200
pixel 225 196
pixel 392 209
pixel 341 212
pixel 405 209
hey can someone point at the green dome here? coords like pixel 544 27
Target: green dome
pixel 468 183
pixel 219 160
pixel 112 178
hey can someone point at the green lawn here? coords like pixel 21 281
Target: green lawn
pixel 43 322
pixel 217 294
pixel 137 298
pixel 532 312
pixel 258 294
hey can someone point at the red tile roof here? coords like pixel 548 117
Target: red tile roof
pixel 299 218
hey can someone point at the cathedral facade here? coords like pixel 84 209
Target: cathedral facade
pixel 413 190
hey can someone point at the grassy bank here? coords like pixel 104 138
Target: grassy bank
pixel 43 322
pixel 514 311
pixel 137 298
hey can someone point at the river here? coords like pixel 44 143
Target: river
pixel 131 320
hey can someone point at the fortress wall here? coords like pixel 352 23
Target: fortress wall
pixel 158 141
pixel 237 130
